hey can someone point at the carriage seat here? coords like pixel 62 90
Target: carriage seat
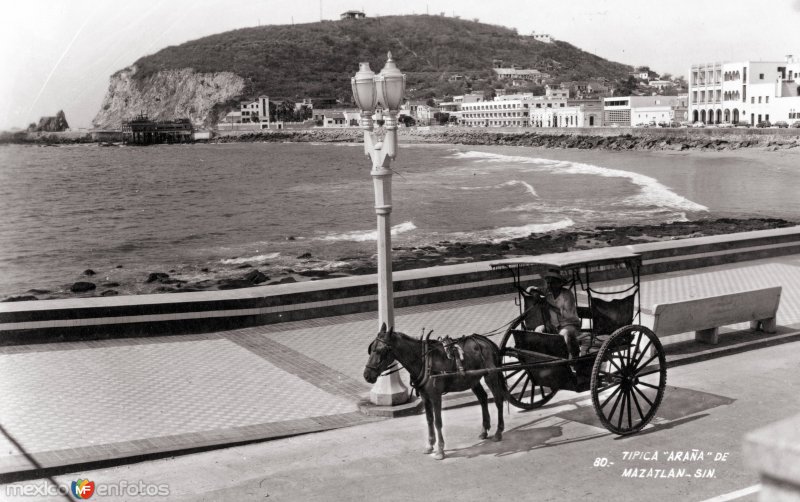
pixel 610 315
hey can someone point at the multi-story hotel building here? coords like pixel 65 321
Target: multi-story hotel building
pixel 498 113
pixel 745 92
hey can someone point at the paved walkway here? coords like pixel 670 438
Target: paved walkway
pixel 78 402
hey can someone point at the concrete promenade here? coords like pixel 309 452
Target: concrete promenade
pixel 71 403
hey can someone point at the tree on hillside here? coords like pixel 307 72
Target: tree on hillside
pixel 626 87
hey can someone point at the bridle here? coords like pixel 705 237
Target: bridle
pixel 426 371
pixel 369 351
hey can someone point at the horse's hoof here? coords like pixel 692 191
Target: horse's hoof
pixel 428 450
pixel 498 436
pixel 483 435
pixel 439 455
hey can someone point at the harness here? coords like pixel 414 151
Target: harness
pixel 453 349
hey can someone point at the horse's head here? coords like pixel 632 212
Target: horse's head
pixel 381 354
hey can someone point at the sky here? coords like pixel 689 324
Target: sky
pixel 59 54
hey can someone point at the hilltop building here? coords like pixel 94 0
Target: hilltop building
pixel 745 92
pixel 519 76
pixel 585 89
pixel 542 37
pixel 352 14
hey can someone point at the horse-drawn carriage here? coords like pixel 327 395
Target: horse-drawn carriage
pixel 621 363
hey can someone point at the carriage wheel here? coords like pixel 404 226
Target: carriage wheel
pixel 522 389
pixel 628 379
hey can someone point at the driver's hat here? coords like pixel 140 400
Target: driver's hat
pixel 553 273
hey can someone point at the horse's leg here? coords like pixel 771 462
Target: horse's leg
pixel 496 386
pixel 484 400
pixel 429 417
pixel 436 399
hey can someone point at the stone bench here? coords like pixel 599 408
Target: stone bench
pixel 704 316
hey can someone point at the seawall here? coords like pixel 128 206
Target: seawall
pixel 143 315
pixel 606 138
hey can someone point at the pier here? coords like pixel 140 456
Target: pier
pixel 143 131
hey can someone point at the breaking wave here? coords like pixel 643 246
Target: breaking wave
pixel 528 187
pixel 505 233
pixel 368 235
pixel 249 259
pixel 652 192
pixel 501 234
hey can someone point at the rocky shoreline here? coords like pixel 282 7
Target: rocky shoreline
pixel 406 258
pixel 622 139
pixel 640 139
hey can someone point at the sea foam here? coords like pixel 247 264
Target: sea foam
pixel 652 192
pixel 501 234
pixel 249 259
pixel 368 235
pixel 505 233
pixel 528 187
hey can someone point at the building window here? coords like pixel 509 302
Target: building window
pixel 759 99
pixel 766 99
pixel 761 76
pixel 752 99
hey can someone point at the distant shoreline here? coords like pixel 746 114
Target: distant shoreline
pixel 416 257
pixel 605 138
pixel 599 138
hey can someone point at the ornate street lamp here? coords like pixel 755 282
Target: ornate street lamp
pixel 371 91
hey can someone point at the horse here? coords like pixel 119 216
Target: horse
pixel 424 359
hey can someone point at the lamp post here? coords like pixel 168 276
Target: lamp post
pixel 370 91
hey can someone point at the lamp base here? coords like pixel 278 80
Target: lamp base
pixel 389 391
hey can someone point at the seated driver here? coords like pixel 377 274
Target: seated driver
pixel 563 311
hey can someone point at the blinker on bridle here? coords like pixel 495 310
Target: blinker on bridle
pixel 389 346
pixel 377 339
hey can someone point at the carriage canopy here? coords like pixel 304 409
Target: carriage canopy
pixel 590 259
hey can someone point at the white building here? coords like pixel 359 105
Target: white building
pixel 497 113
pixel 552 92
pixel 258 110
pixel 542 37
pixel 568 116
pixel 575 113
pixel 420 111
pixel 748 91
pixel 653 115
pixel 627 111
pixel 337 118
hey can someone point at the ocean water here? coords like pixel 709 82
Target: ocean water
pixel 128 211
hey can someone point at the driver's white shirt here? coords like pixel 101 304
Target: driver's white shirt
pixel 563 309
